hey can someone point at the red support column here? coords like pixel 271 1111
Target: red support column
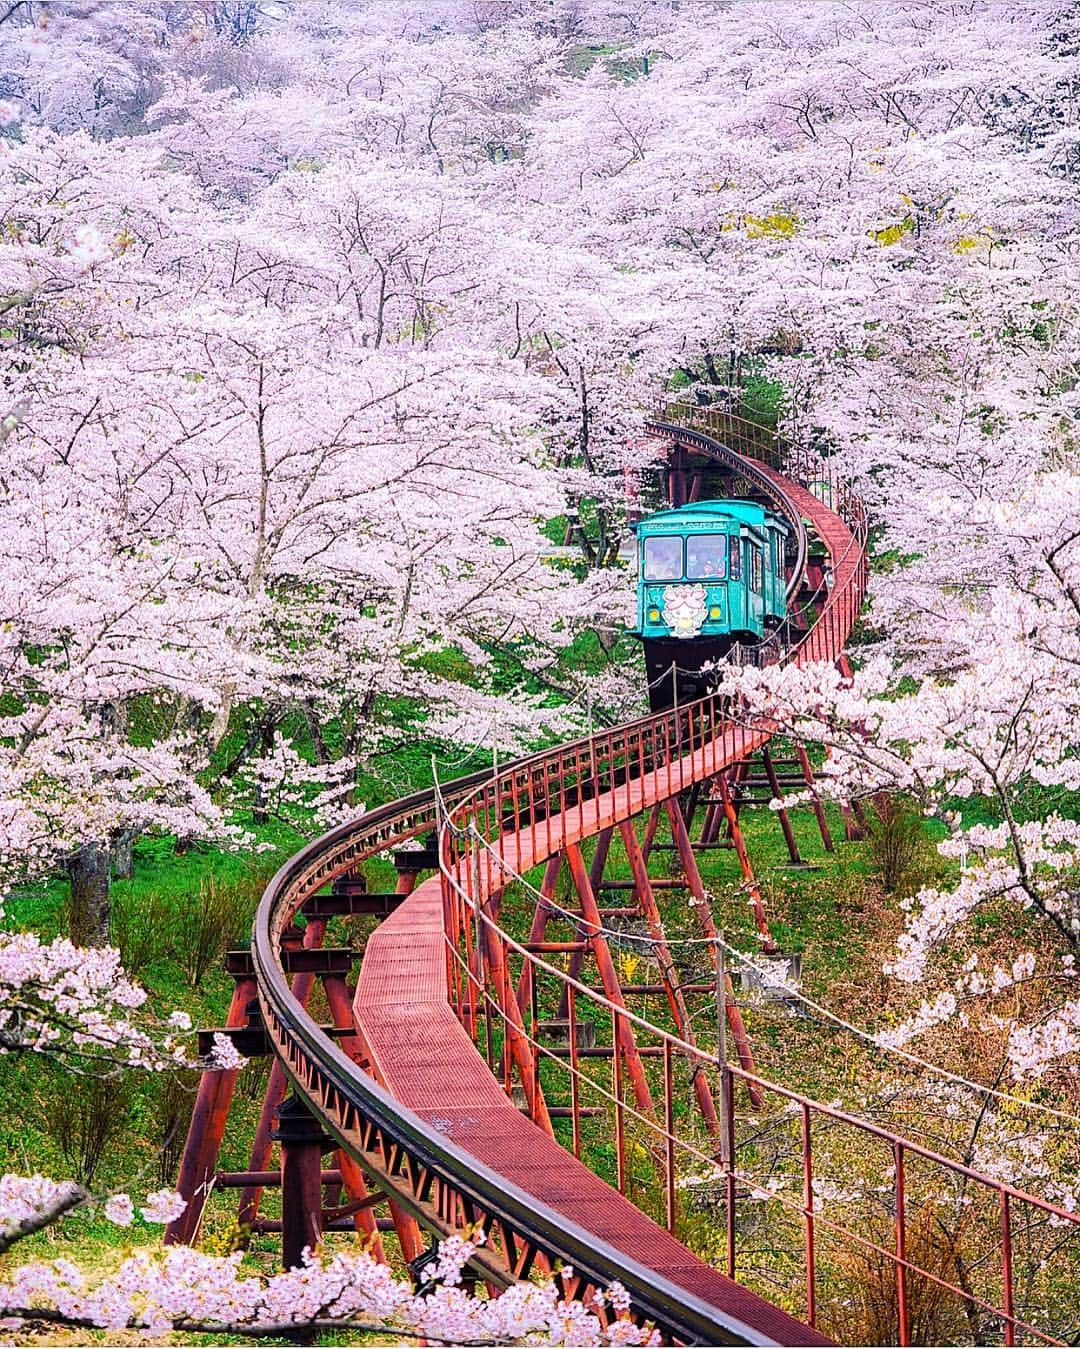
pixel 340 1003
pixel 540 918
pixel 710 825
pixel 406 882
pixel 668 973
pixel 819 810
pixel 744 862
pixel 677 476
pixel 692 803
pixel 276 1087
pixel 785 819
pixel 596 874
pixel 851 828
pixel 521 1051
pixel 364 1219
pixel 302 1145
pixel 649 839
pixel 738 776
pixel 627 1044
pixel 206 1130
pixel 705 918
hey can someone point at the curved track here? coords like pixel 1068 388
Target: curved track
pixel 428 1108
pixel 406 1093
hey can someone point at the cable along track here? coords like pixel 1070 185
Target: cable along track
pixel 424 1117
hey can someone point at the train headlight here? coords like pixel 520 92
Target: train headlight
pixel 654 615
pixel 714 612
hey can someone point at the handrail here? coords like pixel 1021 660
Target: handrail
pixel 337 1090
pixel 329 1081
pixel 504 827
pixel 1008 1195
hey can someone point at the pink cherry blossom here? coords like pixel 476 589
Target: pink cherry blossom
pixel 120 1210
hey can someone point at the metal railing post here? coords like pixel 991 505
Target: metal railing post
pixel 903 1325
pixel 727 1104
pixel 669 1139
pixel 808 1207
pixel 1007 1268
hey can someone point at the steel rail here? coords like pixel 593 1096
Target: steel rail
pixel 338 1092
pixel 379 1131
pixel 487 848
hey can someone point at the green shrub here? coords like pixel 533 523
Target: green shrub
pixel 898 842
pixel 219 917
pixel 85 1118
pixel 142 927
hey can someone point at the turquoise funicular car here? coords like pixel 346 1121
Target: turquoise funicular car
pixel 709 574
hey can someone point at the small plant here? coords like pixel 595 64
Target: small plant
pixel 868 1311
pixel 85 1119
pixel 898 842
pixel 252 1081
pixel 220 916
pixel 142 928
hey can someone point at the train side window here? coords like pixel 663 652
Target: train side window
pixel 663 558
pixel 735 554
pixel 757 569
pixel 706 556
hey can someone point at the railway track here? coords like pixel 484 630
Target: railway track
pixel 430 1083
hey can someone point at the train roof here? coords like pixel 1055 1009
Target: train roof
pixel 751 513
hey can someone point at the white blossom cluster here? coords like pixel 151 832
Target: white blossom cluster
pixel 178 1288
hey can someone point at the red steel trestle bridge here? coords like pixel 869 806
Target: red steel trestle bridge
pixel 459 1055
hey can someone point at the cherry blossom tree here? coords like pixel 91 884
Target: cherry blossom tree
pixel 310 566
pixel 923 290
pixel 179 1289
pixel 316 313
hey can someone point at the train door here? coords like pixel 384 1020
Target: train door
pixel 775 580
pixel 755 584
pixel 738 620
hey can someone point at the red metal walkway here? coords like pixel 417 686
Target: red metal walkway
pixel 424 1056
pixel 410 1099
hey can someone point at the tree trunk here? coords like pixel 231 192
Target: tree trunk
pixel 318 741
pixel 260 813
pixel 123 856
pixel 89 873
pixel 711 370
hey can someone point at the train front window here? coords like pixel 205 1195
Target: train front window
pixel 706 555
pixel 663 558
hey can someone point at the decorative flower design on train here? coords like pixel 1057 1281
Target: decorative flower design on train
pixel 685 609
